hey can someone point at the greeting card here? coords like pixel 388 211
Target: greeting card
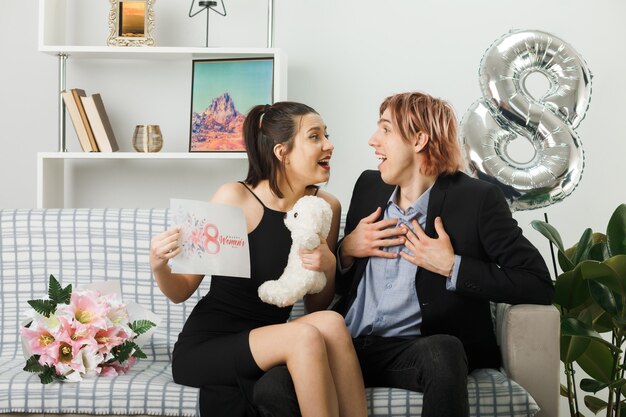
pixel 214 239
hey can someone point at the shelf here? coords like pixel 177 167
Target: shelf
pixel 51 168
pixel 140 155
pixel 157 52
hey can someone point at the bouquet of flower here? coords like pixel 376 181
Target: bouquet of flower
pixel 81 333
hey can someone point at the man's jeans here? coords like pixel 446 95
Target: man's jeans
pixel 434 365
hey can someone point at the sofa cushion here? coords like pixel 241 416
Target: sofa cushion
pixel 147 389
pixel 490 393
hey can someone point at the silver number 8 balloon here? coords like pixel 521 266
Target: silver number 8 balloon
pixel 508 111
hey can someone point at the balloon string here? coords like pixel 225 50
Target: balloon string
pixel 545 216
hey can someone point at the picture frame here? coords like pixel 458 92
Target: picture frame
pixel 131 23
pixel 222 93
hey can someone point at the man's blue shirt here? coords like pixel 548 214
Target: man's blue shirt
pixel 386 303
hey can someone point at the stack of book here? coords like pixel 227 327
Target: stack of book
pixel 90 121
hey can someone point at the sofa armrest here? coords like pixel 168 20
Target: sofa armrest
pixel 529 342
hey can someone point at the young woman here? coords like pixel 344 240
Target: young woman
pixel 232 338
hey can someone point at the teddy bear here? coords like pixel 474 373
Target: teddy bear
pixel 308 220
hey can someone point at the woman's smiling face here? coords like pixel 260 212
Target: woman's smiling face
pixel 309 160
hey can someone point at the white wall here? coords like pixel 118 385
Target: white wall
pixel 344 58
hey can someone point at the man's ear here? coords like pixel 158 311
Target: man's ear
pixel 421 140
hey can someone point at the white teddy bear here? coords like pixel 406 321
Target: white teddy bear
pixel 308 220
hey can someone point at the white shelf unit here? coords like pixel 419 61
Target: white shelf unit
pixel 53 20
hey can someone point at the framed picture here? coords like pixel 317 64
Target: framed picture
pixel 131 23
pixel 222 93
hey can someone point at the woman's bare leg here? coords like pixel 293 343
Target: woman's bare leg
pixel 342 360
pixel 302 348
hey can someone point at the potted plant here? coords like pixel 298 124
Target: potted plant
pixel 590 293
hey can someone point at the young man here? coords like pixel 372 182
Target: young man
pixel 426 249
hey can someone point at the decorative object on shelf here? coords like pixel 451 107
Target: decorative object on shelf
pixel 74 106
pixel 131 23
pixel 147 138
pixel 99 123
pixel 207 5
pixel 510 114
pixel 221 94
pixel 90 120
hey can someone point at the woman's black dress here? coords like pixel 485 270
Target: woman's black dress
pixel 212 351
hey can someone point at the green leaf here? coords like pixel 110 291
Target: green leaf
pixel 602 273
pixel 619 322
pixel 141 326
pixel 58 294
pixel 46 378
pixel 570 290
pixel 617 263
pixel 597 248
pixel 564 261
pixel 583 247
pixel 49 375
pixel 616 232
pixel 597 362
pixel 572 347
pixel 591 385
pixel 586 315
pixel 122 352
pixel 593 316
pixel 595 404
pixel 33 365
pixel 603 296
pixel 598 252
pixel 44 307
pixel 574 327
pixel 603 323
pixel 138 353
pixel 550 233
pixel 54 289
